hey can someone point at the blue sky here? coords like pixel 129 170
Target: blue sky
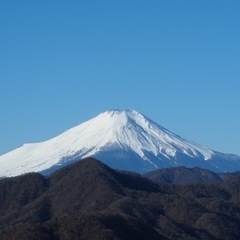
pixel 64 62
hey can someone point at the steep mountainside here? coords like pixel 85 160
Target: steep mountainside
pixel 89 200
pixel 121 139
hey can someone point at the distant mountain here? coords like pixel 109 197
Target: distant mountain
pixel 90 201
pixel 123 140
pixel 183 176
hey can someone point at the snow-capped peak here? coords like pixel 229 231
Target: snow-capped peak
pixel 135 131
pixel 123 137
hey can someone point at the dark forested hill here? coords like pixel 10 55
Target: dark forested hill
pixel 183 175
pixel 89 200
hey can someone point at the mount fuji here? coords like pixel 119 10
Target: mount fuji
pixel 124 140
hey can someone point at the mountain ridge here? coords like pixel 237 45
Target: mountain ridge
pixel 183 176
pixel 89 200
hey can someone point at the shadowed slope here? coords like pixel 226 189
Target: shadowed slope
pixel 89 200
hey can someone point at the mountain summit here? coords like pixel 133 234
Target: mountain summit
pixel 122 139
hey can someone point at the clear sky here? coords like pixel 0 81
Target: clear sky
pixel 64 62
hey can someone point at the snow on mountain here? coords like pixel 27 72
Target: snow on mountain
pixel 122 139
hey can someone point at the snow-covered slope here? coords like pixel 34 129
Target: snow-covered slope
pixel 122 139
